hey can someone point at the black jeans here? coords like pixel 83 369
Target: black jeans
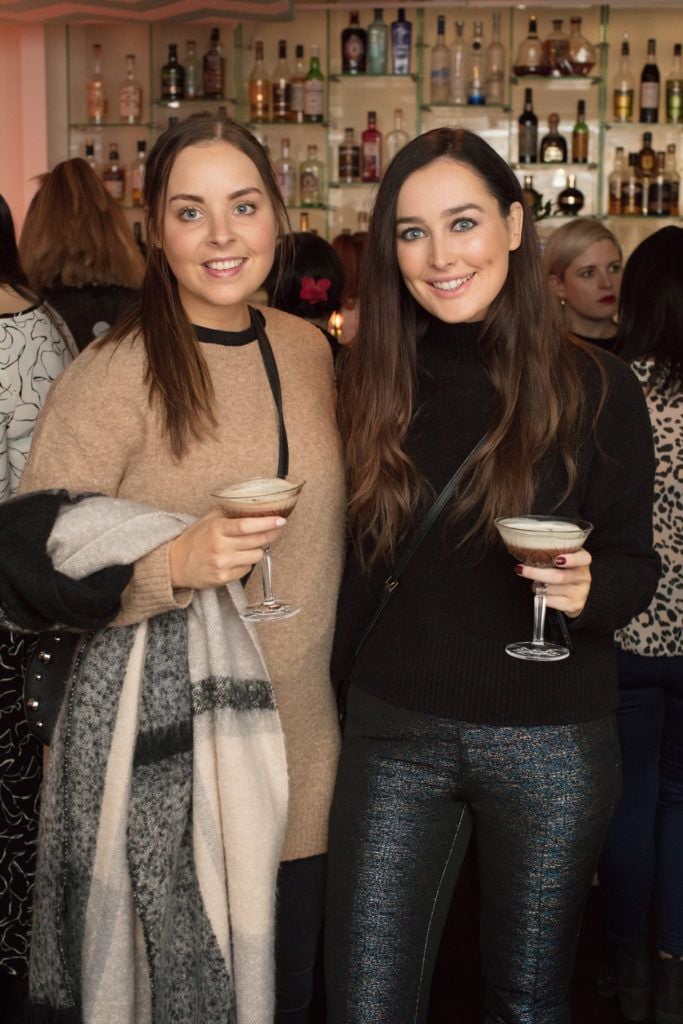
pixel 409 788
pixel 298 924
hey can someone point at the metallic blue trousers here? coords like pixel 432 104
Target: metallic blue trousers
pixel 410 788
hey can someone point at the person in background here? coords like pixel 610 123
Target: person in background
pixel 583 264
pixel 79 252
pixel 350 249
pixel 308 282
pixel 444 730
pixel 35 346
pixel 642 860
pixel 179 399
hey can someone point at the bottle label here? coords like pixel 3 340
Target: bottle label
pixel 213 75
pixel 310 185
pixel 623 104
pixel 528 142
pixel 674 101
pixel 281 98
pixel 313 98
pixel 349 163
pixel 649 95
pixel 580 147
pixel 296 97
pixel 191 81
pixel 440 78
pixel 130 103
pixel 552 154
pixel 371 160
pixel 353 51
pixel 400 48
pixel 170 84
pixel 287 179
pixel 97 107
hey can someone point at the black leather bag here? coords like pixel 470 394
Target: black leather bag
pixel 55 657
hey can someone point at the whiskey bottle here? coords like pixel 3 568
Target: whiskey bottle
pixel 259 88
pixel 371 150
pixel 314 90
pixel 556 51
pixel 401 44
pixel 528 131
pixel 349 158
pixel 476 78
pixel 674 90
pixel 137 175
pixel 114 176
pixel 440 65
pixel 615 182
pixel 172 76
pixel 296 92
pixel 495 64
pixel 581 52
pixel 649 87
pixel 354 41
pixel 193 72
pixel 570 200
pixel 530 59
pixel 281 86
pixel 311 179
pixel 378 44
pixel 580 135
pixel 632 189
pixel 213 79
pixel 553 146
pixel 659 189
pixel 624 86
pixel 96 99
pixel 532 198
pixel 130 94
pixel 647 158
pixel 286 172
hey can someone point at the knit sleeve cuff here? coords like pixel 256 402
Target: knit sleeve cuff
pixel 151 592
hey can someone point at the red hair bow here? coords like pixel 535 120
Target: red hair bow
pixel 314 289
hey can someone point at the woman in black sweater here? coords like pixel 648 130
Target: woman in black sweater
pixel 444 730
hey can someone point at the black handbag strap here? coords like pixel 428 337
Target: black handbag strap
pixel 393 580
pixel 258 324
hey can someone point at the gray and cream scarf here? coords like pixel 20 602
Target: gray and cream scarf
pixel 163 809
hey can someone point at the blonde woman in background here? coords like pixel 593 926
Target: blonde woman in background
pixel 583 262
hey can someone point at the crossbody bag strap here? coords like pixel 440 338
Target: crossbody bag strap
pixel 258 323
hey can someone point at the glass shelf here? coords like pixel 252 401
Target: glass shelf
pixel 285 124
pixel 503 107
pixel 194 101
pixel 538 166
pixel 352 184
pixel 641 126
pixel 365 77
pixel 560 83
pixel 89 126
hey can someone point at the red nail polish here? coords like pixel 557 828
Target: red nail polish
pixel 560 560
pixel 519 569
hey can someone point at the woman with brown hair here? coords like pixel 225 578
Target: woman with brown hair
pixel 459 362
pixel 193 389
pixel 79 252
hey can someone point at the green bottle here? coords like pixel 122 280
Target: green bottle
pixel 314 90
pixel 580 136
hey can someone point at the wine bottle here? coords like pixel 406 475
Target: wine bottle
pixel 674 90
pixel 649 87
pixel 401 43
pixel 580 135
pixel 624 86
pixel 528 131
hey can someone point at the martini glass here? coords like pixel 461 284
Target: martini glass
pixel 537 541
pixel 261 497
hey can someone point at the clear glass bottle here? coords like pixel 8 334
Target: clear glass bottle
pixel 286 172
pixel 440 65
pixel 96 98
pixel 459 65
pixel 674 89
pixel 581 53
pixel 395 139
pixel 193 71
pixel 371 150
pixel 476 72
pixel 649 86
pixel 113 175
pixel 528 130
pixel 632 189
pixel 556 51
pixel 130 94
pixel 378 44
pixel 615 182
pixel 354 44
pixel 659 189
pixel 530 59
pixel 401 44
pixel 259 88
pixel 570 200
pixel 553 145
pixel 172 76
pixel 311 179
pixel 281 85
pixel 314 90
pixel 623 87
pixel 137 175
pixel 349 158
pixel 495 64
pixel 674 178
pixel 213 78
pixel 580 135
pixel 296 95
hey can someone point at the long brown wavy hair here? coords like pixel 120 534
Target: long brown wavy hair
pixel 177 374
pixel 540 396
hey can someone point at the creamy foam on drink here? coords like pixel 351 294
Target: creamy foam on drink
pixel 546 531
pixel 255 488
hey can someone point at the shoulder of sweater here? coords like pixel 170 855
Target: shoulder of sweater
pixel 103 369
pixel 285 328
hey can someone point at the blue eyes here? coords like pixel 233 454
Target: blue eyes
pixel 459 226
pixel 188 213
pixel 191 213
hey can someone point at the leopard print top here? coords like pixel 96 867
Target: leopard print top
pixel 658 631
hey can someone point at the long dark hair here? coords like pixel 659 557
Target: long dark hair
pixel 177 374
pixel 11 271
pixel 651 307
pixel 312 257
pixel 539 393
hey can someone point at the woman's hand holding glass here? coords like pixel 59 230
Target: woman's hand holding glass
pixel 216 550
pixel 568 585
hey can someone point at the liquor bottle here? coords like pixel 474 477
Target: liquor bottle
pixel 139 240
pixel 570 200
pixel 476 77
pixel 395 139
pixel 354 44
pixel 556 51
pixel 401 44
pixel 459 66
pixel 615 182
pixel 304 221
pixel 674 178
pixel 378 44
pixel 349 158
pixel 659 190
pixel 314 90
pixel 632 189
pixel 259 88
pixel 528 131
pixel 532 198
pixel 647 158
pixel 172 76
pixel 193 72
pixel 96 99
pixel 286 172
pixel 495 64
pixel 581 52
pixel 440 65
pixel 130 94
pixel 172 121
pixel 371 150
pixel 623 88
pixel 281 86
pixel 90 158
pixel 674 90
pixel 649 87
pixel 553 145
pixel 137 175
pixel 113 175
pixel 311 175
pixel 530 59
pixel 580 135
pixel 296 93
pixel 213 79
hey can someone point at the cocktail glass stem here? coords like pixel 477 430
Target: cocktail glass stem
pixel 540 590
pixel 267 577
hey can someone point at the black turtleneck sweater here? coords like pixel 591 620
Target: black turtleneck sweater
pixel 439 646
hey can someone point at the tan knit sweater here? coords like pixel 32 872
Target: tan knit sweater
pixel 98 433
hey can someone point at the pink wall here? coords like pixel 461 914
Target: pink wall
pixel 23 113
